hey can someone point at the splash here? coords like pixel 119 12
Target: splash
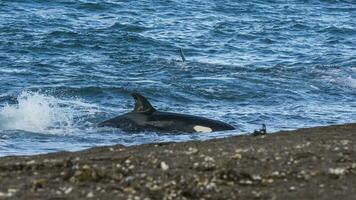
pixel 37 112
pixel 350 82
pixel 347 82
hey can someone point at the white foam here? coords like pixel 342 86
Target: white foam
pixel 2 70
pixel 36 112
pixel 345 82
pixel 342 77
pixel 350 82
pixel 219 78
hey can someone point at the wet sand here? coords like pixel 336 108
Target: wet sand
pixel 312 163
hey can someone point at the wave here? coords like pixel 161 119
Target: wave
pixel 128 27
pixel 338 30
pixel 93 6
pixel 41 113
pixel 63 33
pixel 348 82
pixel 12 71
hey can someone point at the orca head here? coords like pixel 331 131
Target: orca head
pixel 142 105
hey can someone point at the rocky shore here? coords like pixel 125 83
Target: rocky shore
pixel 312 163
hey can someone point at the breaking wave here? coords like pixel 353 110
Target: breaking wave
pixel 41 113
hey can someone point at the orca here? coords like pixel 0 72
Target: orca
pixel 145 117
pixel 182 54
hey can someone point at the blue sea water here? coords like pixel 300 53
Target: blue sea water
pixel 66 65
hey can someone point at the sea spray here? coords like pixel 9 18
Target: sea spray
pixel 36 112
pixel 350 82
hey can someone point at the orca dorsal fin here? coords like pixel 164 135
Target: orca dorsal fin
pixel 142 105
pixel 182 54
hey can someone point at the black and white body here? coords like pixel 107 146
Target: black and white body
pixel 145 117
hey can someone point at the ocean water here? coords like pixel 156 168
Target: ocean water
pixel 66 65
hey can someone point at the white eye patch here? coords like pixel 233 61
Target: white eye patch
pixel 202 129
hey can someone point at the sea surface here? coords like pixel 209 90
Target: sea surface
pixel 66 65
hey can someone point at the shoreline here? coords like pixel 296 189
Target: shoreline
pixel 308 163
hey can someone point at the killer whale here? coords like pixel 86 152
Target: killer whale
pixel 145 117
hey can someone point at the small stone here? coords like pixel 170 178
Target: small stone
pixel 31 162
pixel 337 171
pixel 269 180
pixel 164 166
pixel 257 194
pixel 12 190
pixel 209 159
pixel 129 190
pixel 211 186
pixel 90 195
pixel 68 190
pixel 39 183
pixel 3 194
pixel 275 173
pixel 241 150
pixel 192 151
pixel 245 182
pixel 256 177
pixel 345 142
pixel 196 164
pixel 292 188
pixel 237 156
pixel 353 166
pixel 168 151
pixel 314 173
pixel 129 179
